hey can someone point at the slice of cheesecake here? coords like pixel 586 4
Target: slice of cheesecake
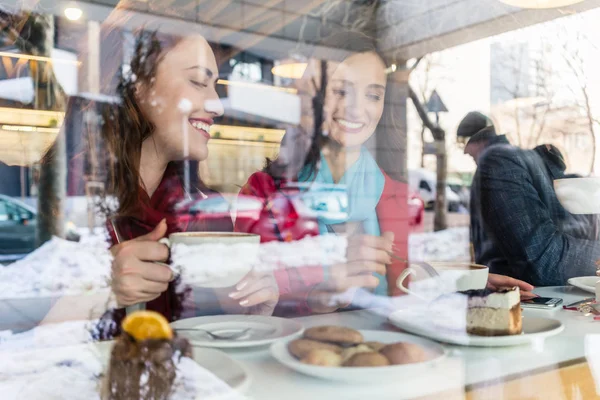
pixel 494 312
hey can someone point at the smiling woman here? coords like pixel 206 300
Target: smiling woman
pixel 155 134
pixel 348 139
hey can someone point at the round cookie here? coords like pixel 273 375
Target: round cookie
pixel 376 346
pixel 370 359
pixel 406 353
pixel 301 347
pixel 323 358
pixel 334 334
pixel 351 351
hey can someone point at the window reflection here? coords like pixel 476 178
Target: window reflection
pixel 329 169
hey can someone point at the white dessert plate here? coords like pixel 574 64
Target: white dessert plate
pixel 253 330
pixel 587 283
pixel 534 329
pixel 220 364
pixel 373 375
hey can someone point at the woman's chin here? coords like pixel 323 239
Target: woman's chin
pixel 350 141
pixel 198 155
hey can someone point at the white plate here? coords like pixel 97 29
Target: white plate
pixel 374 375
pixel 263 330
pixel 220 364
pixel 587 283
pixel 533 329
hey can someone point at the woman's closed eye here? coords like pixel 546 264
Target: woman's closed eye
pixel 374 97
pixel 198 84
pixel 340 92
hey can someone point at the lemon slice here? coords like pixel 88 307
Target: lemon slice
pixel 144 325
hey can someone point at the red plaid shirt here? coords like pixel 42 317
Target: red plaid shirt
pixel 295 284
pixel 151 211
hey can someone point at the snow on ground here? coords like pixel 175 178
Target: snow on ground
pixel 448 245
pixel 59 267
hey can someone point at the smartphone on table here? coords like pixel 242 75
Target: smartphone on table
pixel 542 302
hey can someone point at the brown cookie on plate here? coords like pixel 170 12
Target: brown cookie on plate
pixel 351 351
pixel 323 358
pixel 375 346
pixel 370 359
pixel 334 334
pixel 301 347
pixel 406 353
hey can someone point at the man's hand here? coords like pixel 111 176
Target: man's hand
pixel 499 281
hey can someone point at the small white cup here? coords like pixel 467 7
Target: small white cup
pixel 579 195
pixel 452 277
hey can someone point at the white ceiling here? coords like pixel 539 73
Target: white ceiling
pixel 272 28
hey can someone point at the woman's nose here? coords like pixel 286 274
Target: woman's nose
pixel 353 106
pixel 214 106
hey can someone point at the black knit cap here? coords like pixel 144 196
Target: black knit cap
pixel 476 124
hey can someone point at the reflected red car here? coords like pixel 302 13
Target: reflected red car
pixel 416 210
pixel 289 214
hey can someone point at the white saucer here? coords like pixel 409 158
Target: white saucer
pixel 587 283
pixel 263 330
pixel 533 329
pixel 373 375
pixel 220 364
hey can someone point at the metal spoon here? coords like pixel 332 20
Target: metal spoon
pixel 430 270
pixel 216 336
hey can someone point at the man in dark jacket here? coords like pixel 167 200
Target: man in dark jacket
pixel 518 226
pixel 476 133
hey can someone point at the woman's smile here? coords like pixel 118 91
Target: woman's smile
pixel 349 126
pixel 202 125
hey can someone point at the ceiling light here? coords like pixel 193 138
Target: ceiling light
pixel 39 58
pixel 73 13
pixel 540 3
pixel 257 86
pixel 290 69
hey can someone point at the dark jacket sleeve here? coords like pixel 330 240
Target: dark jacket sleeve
pixel 521 224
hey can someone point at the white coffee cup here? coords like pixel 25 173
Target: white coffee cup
pixel 447 277
pixel 212 259
pixel 579 195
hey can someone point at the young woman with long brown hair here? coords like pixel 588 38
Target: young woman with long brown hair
pixel 156 137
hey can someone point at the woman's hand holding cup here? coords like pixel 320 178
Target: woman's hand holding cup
pixel 258 292
pixel 136 275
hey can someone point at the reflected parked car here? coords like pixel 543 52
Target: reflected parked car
pixel 424 182
pixel 18 222
pixel 462 191
pixel 17 228
pixel 416 209
pixel 218 207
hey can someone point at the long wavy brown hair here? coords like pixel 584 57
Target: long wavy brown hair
pixel 126 127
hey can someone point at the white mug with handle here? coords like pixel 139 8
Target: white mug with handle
pixel 443 277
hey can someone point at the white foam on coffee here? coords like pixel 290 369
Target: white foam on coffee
pixel 209 262
pixel 197 264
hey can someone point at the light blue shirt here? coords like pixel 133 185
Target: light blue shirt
pixel 364 184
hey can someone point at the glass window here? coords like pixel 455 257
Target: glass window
pixel 254 172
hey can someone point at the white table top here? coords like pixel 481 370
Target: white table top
pixel 465 366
